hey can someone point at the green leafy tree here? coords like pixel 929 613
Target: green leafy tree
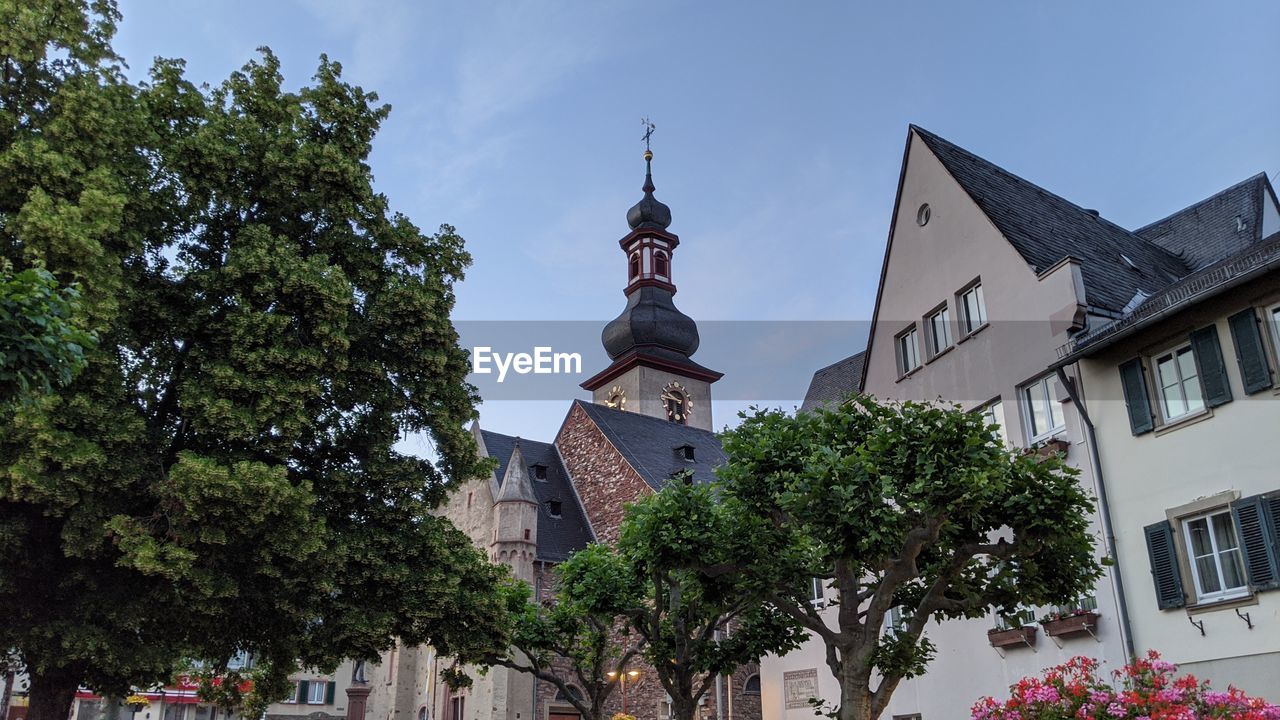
pixel 699 618
pixel 910 508
pixel 577 638
pixel 222 476
pixel 41 344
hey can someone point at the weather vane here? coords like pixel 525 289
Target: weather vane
pixel 649 127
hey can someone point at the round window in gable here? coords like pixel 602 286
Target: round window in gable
pixel 923 214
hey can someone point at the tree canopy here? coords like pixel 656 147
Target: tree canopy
pixel 223 475
pixel 699 617
pixel 909 507
pixel 576 637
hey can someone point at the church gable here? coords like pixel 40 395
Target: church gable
pixel 605 482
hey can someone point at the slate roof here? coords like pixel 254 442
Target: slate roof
pixel 557 537
pixel 1045 228
pixel 834 383
pixel 1208 231
pixel 1254 261
pixel 650 444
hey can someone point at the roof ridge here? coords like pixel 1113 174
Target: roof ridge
pixel 1090 212
pixel 520 438
pixel 841 360
pixel 1251 179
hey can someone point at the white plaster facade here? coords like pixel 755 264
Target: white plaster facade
pixel 1186 468
pixel 1028 316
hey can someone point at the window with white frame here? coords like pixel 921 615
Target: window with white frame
pixel 938 327
pixel 1178 383
pixel 315 692
pixel 817 592
pixel 973 309
pixel 1041 410
pixel 1214 551
pixel 895 620
pixel 993 413
pixel 1020 616
pixel 908 344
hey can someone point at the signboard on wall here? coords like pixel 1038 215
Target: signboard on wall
pixel 799 687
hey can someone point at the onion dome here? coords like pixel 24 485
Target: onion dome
pixel 649 212
pixel 651 321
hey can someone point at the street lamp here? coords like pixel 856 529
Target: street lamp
pixel 622 678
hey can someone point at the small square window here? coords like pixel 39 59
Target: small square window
pixel 973 309
pixel 539 472
pixel 938 330
pixel 1042 413
pixel 1213 550
pixel 554 508
pixel 1178 383
pixel 908 344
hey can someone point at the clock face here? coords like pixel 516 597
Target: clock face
pixel 675 399
pixel 617 398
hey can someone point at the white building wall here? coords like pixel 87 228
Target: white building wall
pixel 1029 318
pixel 1229 451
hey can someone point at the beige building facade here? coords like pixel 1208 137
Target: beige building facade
pixel 990 286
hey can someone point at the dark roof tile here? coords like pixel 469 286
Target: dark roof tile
pixel 834 383
pixel 557 537
pixel 1214 228
pixel 1045 228
pixel 650 444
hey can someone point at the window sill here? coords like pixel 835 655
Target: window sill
pixel 976 330
pixel 1042 440
pixel 940 353
pixel 909 373
pixel 1189 419
pixel 1227 603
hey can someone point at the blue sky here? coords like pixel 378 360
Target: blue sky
pixel 780 129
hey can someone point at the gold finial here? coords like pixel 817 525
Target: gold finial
pixel 648 155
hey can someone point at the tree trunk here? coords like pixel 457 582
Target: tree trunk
pixel 52 693
pixel 855 695
pixel 9 679
pixel 683 710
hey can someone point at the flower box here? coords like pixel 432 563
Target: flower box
pixel 1025 635
pixel 1070 624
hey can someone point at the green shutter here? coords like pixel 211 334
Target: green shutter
pixel 1136 398
pixel 1251 353
pixel 1164 566
pixel 302 691
pixel 1213 371
pixel 329 692
pixel 1256 526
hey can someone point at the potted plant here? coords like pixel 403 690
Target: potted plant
pixel 1001 637
pixel 1069 621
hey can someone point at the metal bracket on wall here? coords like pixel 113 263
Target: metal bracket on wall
pixel 1198 624
pixel 1085 628
pixel 1245 617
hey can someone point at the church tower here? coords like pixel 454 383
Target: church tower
pixel 515 520
pixel 651 343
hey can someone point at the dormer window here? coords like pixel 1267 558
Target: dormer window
pixel 539 471
pixel 685 452
pixel 554 508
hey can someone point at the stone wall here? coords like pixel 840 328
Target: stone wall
pixel 603 479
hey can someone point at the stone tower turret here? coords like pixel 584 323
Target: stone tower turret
pixel 515 519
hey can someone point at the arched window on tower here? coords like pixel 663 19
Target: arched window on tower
pixel 661 264
pixel 634 266
pixel 751 686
